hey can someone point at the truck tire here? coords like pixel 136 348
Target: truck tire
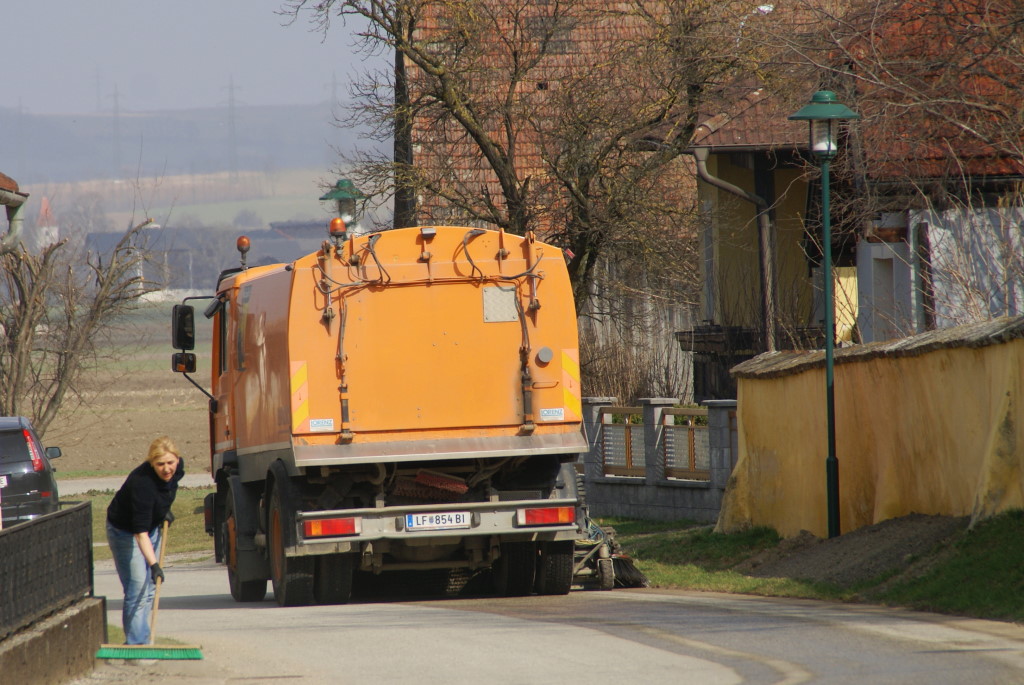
pixel 515 570
pixel 241 590
pixel 332 582
pixel 605 574
pixel 554 567
pixel 292 577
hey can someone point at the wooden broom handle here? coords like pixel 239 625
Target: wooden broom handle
pixel 159 582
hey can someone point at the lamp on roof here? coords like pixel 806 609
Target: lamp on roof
pixel 825 114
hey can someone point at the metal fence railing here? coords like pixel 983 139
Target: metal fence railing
pixel 622 441
pixel 45 565
pixel 685 444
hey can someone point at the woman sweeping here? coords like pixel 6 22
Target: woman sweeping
pixel 134 518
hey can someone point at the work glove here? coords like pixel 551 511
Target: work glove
pixel 170 517
pixel 156 572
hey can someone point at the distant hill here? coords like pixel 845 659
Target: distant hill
pixel 211 199
pixel 58 148
pixel 198 218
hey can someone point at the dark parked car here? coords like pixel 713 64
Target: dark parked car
pixel 28 488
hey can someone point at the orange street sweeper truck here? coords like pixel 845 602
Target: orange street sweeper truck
pixel 404 400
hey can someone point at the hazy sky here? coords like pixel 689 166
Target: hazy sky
pixel 70 55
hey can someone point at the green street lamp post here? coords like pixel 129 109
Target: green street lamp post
pixel 824 114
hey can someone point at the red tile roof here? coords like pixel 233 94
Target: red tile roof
pixel 757 120
pixel 966 95
pixel 938 85
pixel 7 183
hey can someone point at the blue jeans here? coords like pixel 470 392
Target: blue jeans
pixel 136 581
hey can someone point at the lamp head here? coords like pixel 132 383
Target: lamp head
pixel 824 114
pixel 346 196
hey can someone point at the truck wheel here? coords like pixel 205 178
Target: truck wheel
pixel 333 579
pixel 292 577
pixel 605 574
pixel 554 567
pixel 515 570
pixel 241 590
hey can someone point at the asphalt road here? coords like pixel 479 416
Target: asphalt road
pixel 620 637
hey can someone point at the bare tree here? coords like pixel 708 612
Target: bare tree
pixel 87 213
pixel 939 142
pixel 568 118
pixel 56 309
pixel 564 117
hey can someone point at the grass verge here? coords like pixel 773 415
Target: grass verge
pixel 187 533
pixel 979 574
pixel 690 556
pixel 71 475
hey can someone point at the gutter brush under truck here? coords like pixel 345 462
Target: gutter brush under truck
pixel 408 399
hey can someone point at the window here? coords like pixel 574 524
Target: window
pixel 556 30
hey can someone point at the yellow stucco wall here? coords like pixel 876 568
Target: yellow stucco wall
pixel 939 433
pixel 734 226
pixel 846 301
pixel 735 235
pixel 794 291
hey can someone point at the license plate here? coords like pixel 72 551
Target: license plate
pixel 442 520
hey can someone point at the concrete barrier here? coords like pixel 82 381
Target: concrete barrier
pixel 56 649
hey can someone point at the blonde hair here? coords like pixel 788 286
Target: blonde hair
pixel 159 447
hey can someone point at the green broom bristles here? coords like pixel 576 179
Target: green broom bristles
pixel 149 652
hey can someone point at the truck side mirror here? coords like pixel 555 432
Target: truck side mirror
pixel 183 328
pixel 183 362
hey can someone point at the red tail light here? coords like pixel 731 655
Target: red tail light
pixel 328 528
pixel 37 457
pixel 545 516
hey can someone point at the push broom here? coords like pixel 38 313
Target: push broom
pixel 152 651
